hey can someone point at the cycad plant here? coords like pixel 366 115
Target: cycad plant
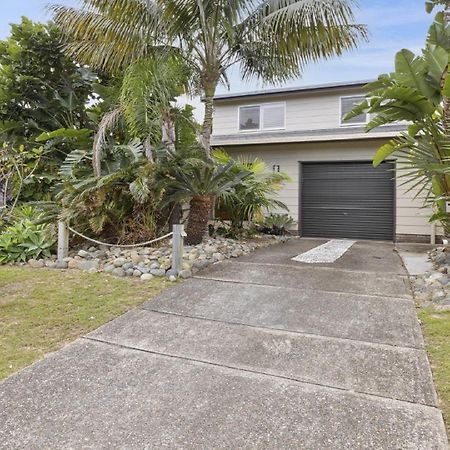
pixel 270 39
pixel 417 93
pixel 199 182
pixel 254 196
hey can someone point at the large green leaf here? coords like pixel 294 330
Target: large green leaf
pixel 411 70
pixel 69 133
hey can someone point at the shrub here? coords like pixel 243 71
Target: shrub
pixel 23 238
pixel 276 224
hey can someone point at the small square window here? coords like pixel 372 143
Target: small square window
pixel 249 118
pixel 347 104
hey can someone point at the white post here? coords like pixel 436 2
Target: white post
pixel 177 248
pixel 433 233
pixel 63 241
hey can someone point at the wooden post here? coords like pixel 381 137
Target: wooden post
pixel 177 248
pixel 63 241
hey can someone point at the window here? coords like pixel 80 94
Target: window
pixel 347 104
pixel 268 116
pixel 249 118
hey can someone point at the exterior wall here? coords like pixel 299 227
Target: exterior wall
pixel 411 217
pixel 310 116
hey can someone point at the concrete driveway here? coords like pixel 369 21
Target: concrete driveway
pixel 259 352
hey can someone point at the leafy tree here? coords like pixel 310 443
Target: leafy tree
pixel 417 92
pixel 270 39
pixel 41 90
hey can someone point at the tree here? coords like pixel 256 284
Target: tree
pixel 254 195
pixel 41 90
pixel 417 92
pixel 198 182
pixel 269 39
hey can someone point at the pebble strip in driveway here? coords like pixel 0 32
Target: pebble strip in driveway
pixel 261 352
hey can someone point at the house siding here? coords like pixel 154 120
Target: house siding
pixel 411 216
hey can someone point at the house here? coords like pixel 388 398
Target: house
pixel 334 190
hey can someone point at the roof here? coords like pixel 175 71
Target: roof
pixel 288 90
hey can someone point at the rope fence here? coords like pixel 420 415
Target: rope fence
pixel 177 243
pixel 142 244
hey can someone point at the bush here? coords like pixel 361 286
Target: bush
pixel 276 224
pixel 24 238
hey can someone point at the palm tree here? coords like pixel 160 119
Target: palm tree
pixel 199 181
pixel 270 39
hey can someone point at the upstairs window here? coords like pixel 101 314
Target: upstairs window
pixel 268 116
pixel 347 104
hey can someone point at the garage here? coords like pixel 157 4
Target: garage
pixel 347 200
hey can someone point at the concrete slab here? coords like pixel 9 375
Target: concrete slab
pixel 416 263
pixel 306 277
pixel 367 318
pixel 98 396
pixel 363 256
pixel 394 372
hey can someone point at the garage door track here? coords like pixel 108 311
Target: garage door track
pixel 259 352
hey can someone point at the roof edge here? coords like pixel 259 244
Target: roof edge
pixel 288 90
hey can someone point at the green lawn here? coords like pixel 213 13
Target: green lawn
pixel 41 310
pixel 436 327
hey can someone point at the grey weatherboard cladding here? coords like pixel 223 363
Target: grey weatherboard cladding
pixel 347 200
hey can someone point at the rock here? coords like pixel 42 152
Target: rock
pixel 166 264
pixel 50 264
pixel 154 265
pixel 119 262
pixel 185 274
pixel 118 272
pixel 92 249
pixel 36 263
pixel 193 256
pixel 218 256
pixel 200 264
pixel 136 258
pixel 146 276
pixel 89 264
pixel 158 272
pixel 129 272
pixel 172 278
pixel 108 268
pixel 61 265
pixel 83 254
pixel 137 273
pixel 236 253
pixel 171 272
pixel 127 266
pixel 210 249
pixel 72 264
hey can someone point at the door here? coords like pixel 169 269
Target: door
pixel 347 200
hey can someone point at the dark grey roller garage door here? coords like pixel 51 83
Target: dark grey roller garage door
pixel 347 200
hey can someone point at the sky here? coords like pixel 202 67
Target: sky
pixel 392 25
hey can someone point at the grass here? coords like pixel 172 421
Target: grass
pixel 43 309
pixel 436 327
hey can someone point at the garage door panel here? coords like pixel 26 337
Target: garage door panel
pixel 351 200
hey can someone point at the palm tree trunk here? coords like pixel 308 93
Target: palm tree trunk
pixel 205 136
pixel 197 226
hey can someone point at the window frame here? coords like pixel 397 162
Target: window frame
pixel 261 117
pixel 346 124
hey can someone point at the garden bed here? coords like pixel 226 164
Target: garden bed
pixel 149 262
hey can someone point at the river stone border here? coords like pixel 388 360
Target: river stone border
pixel 149 262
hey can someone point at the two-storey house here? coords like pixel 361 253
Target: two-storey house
pixel 334 191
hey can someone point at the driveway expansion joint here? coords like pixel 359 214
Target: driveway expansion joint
pixel 266 374
pixel 407 298
pixel 288 331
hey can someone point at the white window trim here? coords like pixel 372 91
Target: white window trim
pixel 261 124
pixel 346 124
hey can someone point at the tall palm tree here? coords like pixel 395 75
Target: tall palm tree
pixel 270 39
